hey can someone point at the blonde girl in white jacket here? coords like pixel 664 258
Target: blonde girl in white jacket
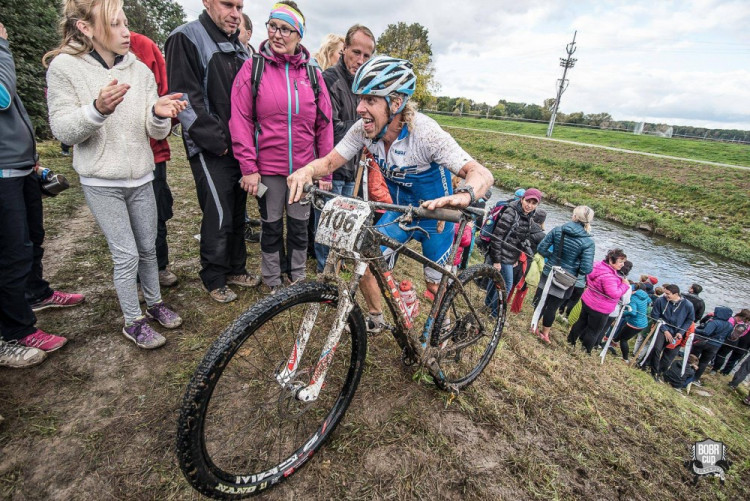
pixel 103 101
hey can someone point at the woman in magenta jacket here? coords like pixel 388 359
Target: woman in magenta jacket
pixel 293 131
pixel 604 288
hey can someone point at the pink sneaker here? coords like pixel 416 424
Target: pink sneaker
pixel 43 341
pixel 59 299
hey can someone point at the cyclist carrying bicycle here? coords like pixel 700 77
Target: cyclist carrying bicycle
pixel 417 158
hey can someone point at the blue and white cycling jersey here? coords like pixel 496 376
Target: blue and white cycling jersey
pixel 418 167
pixel 419 163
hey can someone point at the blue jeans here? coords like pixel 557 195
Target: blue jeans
pixel 491 299
pixel 345 188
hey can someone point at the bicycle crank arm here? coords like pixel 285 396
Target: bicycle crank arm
pixel 285 375
pixel 311 391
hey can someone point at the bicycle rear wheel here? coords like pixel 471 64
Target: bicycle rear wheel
pixel 468 341
pixel 240 431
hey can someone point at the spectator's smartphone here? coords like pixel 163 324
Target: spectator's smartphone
pixel 261 190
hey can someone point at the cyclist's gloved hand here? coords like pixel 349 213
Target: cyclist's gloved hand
pixel 455 201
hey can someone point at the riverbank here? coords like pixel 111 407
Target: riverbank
pixel 97 419
pixel 705 206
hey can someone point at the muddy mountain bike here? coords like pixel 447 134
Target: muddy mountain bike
pixel 274 385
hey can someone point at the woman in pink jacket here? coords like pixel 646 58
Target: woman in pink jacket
pixel 604 288
pixel 293 128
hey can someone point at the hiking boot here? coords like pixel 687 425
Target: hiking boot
pixel 164 315
pixel 251 235
pixel 59 299
pixel 698 383
pixel 374 323
pixel 17 356
pixel 223 294
pixel 143 335
pixel 246 280
pixel 43 341
pixel 167 278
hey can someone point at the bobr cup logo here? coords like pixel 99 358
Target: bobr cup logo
pixel 709 458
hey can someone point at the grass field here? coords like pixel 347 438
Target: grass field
pixel 705 206
pixel 97 420
pixel 711 151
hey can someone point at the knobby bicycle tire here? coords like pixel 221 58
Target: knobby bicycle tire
pixel 227 444
pixel 465 350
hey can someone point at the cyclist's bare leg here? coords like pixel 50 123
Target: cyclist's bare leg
pixel 371 292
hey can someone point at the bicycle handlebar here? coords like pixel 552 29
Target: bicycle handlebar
pixel 450 215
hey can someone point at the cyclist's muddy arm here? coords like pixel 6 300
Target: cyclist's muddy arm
pixel 475 175
pixel 316 169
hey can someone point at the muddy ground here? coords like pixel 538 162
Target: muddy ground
pixel 97 420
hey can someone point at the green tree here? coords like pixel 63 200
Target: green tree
pixel 411 42
pixel 515 109
pixel 498 110
pixel 576 117
pixel 32 31
pixel 154 18
pixel 533 112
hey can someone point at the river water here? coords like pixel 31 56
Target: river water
pixel 725 282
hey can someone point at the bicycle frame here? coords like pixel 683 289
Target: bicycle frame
pixel 369 253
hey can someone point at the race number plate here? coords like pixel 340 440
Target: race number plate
pixel 340 224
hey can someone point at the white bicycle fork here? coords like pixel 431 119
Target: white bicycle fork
pixel 310 392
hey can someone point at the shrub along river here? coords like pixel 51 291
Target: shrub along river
pixel 725 282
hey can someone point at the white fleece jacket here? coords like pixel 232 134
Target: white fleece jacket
pixel 113 147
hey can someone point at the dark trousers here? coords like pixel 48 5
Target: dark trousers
pixel 567 306
pixel 742 346
pixel 661 358
pixel 21 237
pixel 605 328
pixel 587 327
pixel 706 352
pixel 742 372
pixel 551 303
pixel 627 333
pixel 222 201
pixel 164 201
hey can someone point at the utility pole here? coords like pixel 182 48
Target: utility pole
pixel 562 84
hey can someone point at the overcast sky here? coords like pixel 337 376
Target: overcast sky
pixel 676 62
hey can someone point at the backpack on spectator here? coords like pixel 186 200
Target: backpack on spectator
pixel 739 330
pixel 488 226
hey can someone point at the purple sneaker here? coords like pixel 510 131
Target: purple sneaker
pixel 143 335
pixel 162 314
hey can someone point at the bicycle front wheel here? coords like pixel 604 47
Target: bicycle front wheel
pixel 240 429
pixel 468 339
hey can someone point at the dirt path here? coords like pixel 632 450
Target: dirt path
pixel 59 249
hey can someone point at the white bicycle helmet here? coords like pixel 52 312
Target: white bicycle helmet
pixel 383 75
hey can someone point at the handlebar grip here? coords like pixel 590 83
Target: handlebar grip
pixel 449 215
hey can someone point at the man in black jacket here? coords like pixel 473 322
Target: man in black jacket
pixel 359 45
pixel 698 305
pixel 203 57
